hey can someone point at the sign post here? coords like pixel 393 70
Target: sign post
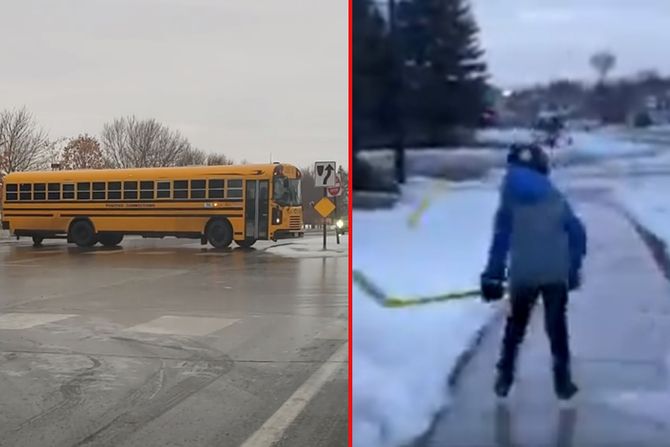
pixel 325 233
pixel 335 192
pixel 325 177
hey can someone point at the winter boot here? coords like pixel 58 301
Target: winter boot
pixel 503 384
pixel 563 384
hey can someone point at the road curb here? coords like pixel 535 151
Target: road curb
pixel 657 246
pixel 464 358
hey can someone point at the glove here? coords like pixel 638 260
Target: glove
pixel 492 288
pixel 574 280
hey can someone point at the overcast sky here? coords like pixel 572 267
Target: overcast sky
pixel 534 40
pixel 243 77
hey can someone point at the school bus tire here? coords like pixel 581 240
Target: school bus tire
pixel 82 233
pixel 219 232
pixel 110 239
pixel 37 241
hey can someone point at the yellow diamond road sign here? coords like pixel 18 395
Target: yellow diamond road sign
pixel 324 207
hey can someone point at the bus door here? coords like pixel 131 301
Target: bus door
pixel 257 209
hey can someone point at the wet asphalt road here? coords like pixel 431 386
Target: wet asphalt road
pixel 167 343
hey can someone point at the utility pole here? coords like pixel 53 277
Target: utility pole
pixel 397 77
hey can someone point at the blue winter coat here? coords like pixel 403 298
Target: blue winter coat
pixel 535 232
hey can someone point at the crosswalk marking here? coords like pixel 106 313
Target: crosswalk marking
pixel 29 320
pixel 183 325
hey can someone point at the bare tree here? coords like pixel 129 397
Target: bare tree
pixel 192 157
pixel 23 144
pixel 219 159
pixel 131 143
pixel 603 62
pixel 83 152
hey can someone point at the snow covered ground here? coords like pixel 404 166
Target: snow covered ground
pixel 403 356
pixel 582 148
pixel 504 137
pixel 647 200
pixel 312 247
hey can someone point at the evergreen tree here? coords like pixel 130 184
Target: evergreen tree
pixel 371 70
pixel 445 78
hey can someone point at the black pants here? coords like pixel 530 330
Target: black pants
pixel 555 297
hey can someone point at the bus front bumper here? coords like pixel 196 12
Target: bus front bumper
pixel 288 234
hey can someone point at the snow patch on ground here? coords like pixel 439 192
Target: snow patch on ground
pixel 444 252
pixel 403 356
pixel 646 199
pixel 576 148
pixel 504 136
pixel 312 247
pixel 401 360
pixel 597 146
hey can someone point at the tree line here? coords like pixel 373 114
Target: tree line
pixel 612 101
pixel 417 69
pixel 126 142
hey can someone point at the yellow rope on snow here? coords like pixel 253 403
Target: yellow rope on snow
pixel 415 217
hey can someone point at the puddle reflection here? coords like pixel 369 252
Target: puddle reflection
pixel 504 432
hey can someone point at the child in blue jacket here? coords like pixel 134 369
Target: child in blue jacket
pixel 538 247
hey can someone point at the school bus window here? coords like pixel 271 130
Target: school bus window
pixel 53 191
pixel 39 191
pixel 83 191
pixel 11 191
pixel 114 191
pixel 129 190
pixel 68 191
pixel 163 190
pixel 181 189
pixel 216 190
pixel 147 190
pixel 234 189
pixel 25 191
pixel 197 189
pixel 98 190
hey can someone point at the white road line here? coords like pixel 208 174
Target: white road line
pixel 170 324
pixel 273 429
pixel 29 320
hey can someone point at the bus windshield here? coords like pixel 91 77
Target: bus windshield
pixel 287 191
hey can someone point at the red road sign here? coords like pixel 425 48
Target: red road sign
pixel 335 191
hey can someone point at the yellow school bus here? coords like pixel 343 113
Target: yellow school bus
pixel 216 204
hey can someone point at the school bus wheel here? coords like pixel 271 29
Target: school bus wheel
pixel 245 243
pixel 37 241
pixel 219 232
pixel 82 233
pixel 110 239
